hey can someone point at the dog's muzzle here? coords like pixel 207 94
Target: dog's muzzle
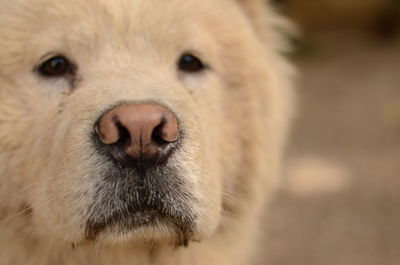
pixel 138 185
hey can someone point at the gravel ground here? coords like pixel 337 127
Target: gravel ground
pixel 340 204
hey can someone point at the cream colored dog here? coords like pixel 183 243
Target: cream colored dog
pixel 138 131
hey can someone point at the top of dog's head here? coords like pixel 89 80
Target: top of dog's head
pixel 133 119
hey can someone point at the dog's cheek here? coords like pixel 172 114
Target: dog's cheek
pixel 46 151
pixel 63 194
pixel 21 123
pixel 216 141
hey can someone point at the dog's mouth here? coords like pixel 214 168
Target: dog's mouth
pixel 158 199
pixel 120 223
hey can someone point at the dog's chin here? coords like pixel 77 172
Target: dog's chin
pixel 144 226
pixel 147 227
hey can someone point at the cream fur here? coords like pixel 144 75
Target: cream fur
pixel 236 116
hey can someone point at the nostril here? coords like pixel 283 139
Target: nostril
pixel 112 132
pixel 157 135
pixel 107 130
pixel 124 137
pixel 167 131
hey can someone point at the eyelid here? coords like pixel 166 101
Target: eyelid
pixel 197 54
pixel 44 58
pixel 48 56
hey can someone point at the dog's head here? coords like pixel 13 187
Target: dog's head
pixel 133 119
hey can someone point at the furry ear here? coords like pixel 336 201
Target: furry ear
pixel 271 26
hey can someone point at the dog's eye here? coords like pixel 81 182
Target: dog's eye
pixel 56 66
pixel 190 63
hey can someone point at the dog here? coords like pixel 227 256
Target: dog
pixel 139 132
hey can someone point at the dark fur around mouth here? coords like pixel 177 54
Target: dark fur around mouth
pixel 126 199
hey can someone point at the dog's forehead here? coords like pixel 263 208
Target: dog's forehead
pixel 99 19
pixel 123 15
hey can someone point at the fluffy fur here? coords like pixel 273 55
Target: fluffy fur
pixel 235 115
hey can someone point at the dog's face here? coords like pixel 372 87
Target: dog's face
pixel 124 119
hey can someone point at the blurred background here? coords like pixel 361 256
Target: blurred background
pixel 340 202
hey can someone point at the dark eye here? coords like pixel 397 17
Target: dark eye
pixel 56 66
pixel 190 63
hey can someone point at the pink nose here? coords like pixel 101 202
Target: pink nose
pixel 138 132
